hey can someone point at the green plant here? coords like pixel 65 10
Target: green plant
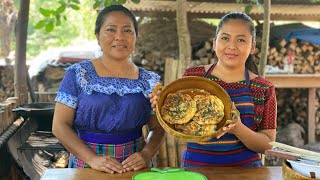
pixel 52 17
pixel 249 6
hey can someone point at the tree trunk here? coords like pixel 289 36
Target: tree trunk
pixel 20 80
pixel 265 37
pixel 7 22
pixel 183 37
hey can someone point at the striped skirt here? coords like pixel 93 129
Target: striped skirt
pixel 118 151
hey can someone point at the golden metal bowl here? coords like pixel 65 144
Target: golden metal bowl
pixel 196 82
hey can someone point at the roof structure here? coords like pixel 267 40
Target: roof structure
pixel 280 9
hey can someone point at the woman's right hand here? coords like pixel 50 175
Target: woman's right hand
pixel 155 95
pixel 230 127
pixel 106 164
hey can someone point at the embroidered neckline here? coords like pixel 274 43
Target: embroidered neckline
pixel 95 72
pixel 89 81
pixel 237 82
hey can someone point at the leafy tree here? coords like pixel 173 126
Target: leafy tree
pixel 53 17
pixel 60 12
pixel 249 5
pixel 8 16
pixel 63 35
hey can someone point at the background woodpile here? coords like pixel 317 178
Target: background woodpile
pixel 6 82
pixel 306 56
pixel 50 78
pixel 159 41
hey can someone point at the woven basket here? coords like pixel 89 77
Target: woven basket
pixel 289 174
pixel 195 82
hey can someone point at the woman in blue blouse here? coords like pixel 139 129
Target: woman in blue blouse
pixel 102 104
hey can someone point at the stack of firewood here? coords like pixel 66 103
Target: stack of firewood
pixel 49 79
pixel 159 40
pixel 296 110
pixel 6 82
pixel 305 56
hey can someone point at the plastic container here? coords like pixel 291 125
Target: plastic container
pixel 169 174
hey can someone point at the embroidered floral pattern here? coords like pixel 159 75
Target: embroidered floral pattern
pixel 67 99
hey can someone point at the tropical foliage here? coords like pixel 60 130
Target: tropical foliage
pixel 52 16
pixel 250 5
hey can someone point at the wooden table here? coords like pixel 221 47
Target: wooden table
pixel 310 81
pixel 214 173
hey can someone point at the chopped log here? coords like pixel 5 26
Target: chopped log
pixel 283 50
pixel 6 82
pixel 293 40
pixel 304 48
pixel 293 46
pixel 283 43
pixel 273 50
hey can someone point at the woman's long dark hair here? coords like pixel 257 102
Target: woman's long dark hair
pixel 250 64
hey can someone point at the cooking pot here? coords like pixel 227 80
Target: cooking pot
pixel 41 112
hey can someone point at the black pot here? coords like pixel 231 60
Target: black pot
pixel 41 112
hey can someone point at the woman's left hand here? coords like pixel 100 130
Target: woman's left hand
pixel 135 162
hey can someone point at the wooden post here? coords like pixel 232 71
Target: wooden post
pixel 163 156
pixel 5 120
pixel 265 37
pixel 170 70
pixel 311 115
pixel 20 83
pixel 181 145
pixel 169 150
pixel 172 151
pixel 2 123
pixel 183 37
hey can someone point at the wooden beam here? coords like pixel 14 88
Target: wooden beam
pixel 294 80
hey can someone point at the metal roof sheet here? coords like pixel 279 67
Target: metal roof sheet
pixel 217 9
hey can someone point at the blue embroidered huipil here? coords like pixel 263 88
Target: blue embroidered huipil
pixel 105 103
pixel 108 110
